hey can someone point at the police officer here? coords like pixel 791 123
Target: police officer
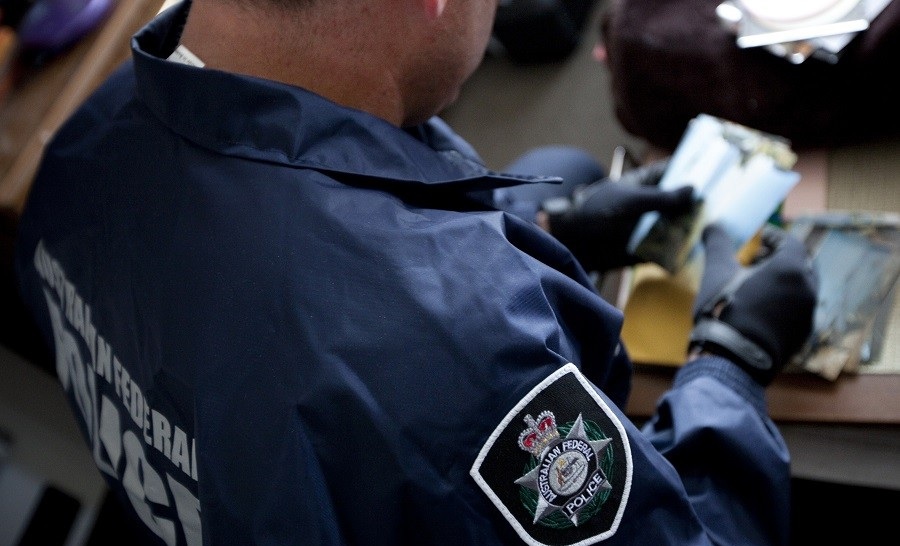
pixel 285 312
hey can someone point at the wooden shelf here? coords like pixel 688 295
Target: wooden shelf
pixel 43 97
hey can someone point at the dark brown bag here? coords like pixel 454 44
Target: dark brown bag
pixel 672 59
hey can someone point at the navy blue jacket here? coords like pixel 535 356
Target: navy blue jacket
pixel 282 321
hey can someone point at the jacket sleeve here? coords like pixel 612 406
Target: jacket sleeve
pixel 713 427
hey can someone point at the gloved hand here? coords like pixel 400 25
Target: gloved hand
pixel 597 221
pixel 758 316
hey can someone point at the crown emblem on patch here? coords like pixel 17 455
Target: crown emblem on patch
pixel 541 432
pixel 570 483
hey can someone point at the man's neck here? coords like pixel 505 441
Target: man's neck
pixel 327 54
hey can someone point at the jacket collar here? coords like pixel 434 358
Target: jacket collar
pixel 268 121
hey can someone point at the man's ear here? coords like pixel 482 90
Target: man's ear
pixel 434 8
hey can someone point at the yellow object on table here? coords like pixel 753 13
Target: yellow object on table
pixel 659 309
pixel 658 317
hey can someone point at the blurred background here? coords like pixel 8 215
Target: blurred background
pixel 846 470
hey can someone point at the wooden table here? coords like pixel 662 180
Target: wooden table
pixel 796 398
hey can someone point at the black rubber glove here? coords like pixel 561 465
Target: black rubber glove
pixel 597 221
pixel 758 316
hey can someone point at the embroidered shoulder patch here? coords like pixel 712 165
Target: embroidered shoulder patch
pixel 559 464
